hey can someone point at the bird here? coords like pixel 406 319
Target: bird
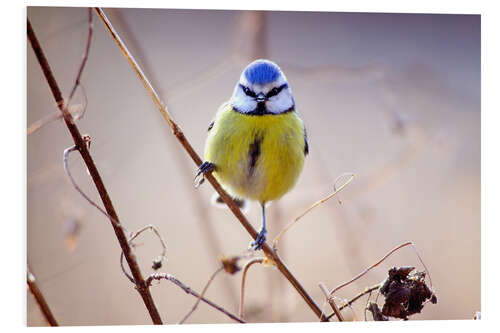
pixel 257 143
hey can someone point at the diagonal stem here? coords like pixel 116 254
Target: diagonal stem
pixel 272 255
pixel 82 148
pixel 42 303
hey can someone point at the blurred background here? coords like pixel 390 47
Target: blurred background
pixel 392 98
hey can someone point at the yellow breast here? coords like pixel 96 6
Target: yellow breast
pixel 257 157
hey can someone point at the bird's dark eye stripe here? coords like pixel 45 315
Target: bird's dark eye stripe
pixel 276 91
pixel 247 91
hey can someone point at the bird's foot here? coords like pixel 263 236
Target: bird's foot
pixel 204 168
pixel 259 242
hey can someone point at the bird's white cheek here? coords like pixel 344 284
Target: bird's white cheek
pixel 280 103
pixel 243 103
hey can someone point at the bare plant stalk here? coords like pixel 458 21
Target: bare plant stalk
pixel 220 269
pixel 197 160
pixel 66 153
pixel 314 205
pixel 42 303
pixel 188 290
pixel 371 267
pixel 355 298
pixel 151 227
pixel 331 301
pixel 243 278
pixel 94 173
pixel 76 110
pixel 84 59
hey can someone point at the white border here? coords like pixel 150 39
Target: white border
pixel 13 147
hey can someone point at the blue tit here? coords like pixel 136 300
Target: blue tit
pixel 256 145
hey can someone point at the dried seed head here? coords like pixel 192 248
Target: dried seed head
pixel 405 293
pixel 230 264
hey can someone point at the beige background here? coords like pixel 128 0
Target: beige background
pixel 355 77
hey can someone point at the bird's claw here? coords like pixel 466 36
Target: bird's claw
pixel 204 168
pixel 259 242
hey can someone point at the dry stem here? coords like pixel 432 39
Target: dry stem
pixel 379 262
pixel 197 160
pixel 201 295
pixel 84 59
pixel 355 298
pixel 331 301
pixel 243 278
pixel 314 205
pixel 42 303
pixel 188 290
pixel 94 173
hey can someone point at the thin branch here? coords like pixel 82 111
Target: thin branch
pixel 314 205
pixel 188 290
pixel 331 301
pixel 84 58
pixel 42 303
pixel 157 262
pixel 201 295
pixel 243 278
pixel 272 255
pixel 94 173
pixel 355 298
pixel 76 110
pixel 66 153
pixel 57 115
pixel 151 227
pixel 371 267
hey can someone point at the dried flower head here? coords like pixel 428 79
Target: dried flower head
pixel 405 293
pixel 230 264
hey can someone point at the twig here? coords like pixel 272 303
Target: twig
pixel 57 115
pixel 314 205
pixel 84 59
pixel 157 262
pixel 366 305
pixel 76 110
pixel 243 278
pixel 151 227
pixel 197 160
pixel 220 269
pixel 66 153
pixel 371 267
pixel 188 290
pixel 42 303
pixel 331 301
pixel 94 173
pixel 355 298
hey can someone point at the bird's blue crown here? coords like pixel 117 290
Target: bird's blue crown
pixel 262 72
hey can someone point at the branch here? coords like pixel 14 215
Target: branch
pixel 371 267
pixel 84 58
pixel 314 205
pixel 355 298
pixel 82 148
pixel 201 295
pixel 331 301
pixel 66 153
pixel 243 278
pixel 44 307
pixel 188 290
pixel 197 160
pixel 77 112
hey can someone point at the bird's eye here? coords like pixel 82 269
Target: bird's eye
pixel 247 91
pixel 273 92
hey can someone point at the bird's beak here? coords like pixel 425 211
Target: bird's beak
pixel 261 97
